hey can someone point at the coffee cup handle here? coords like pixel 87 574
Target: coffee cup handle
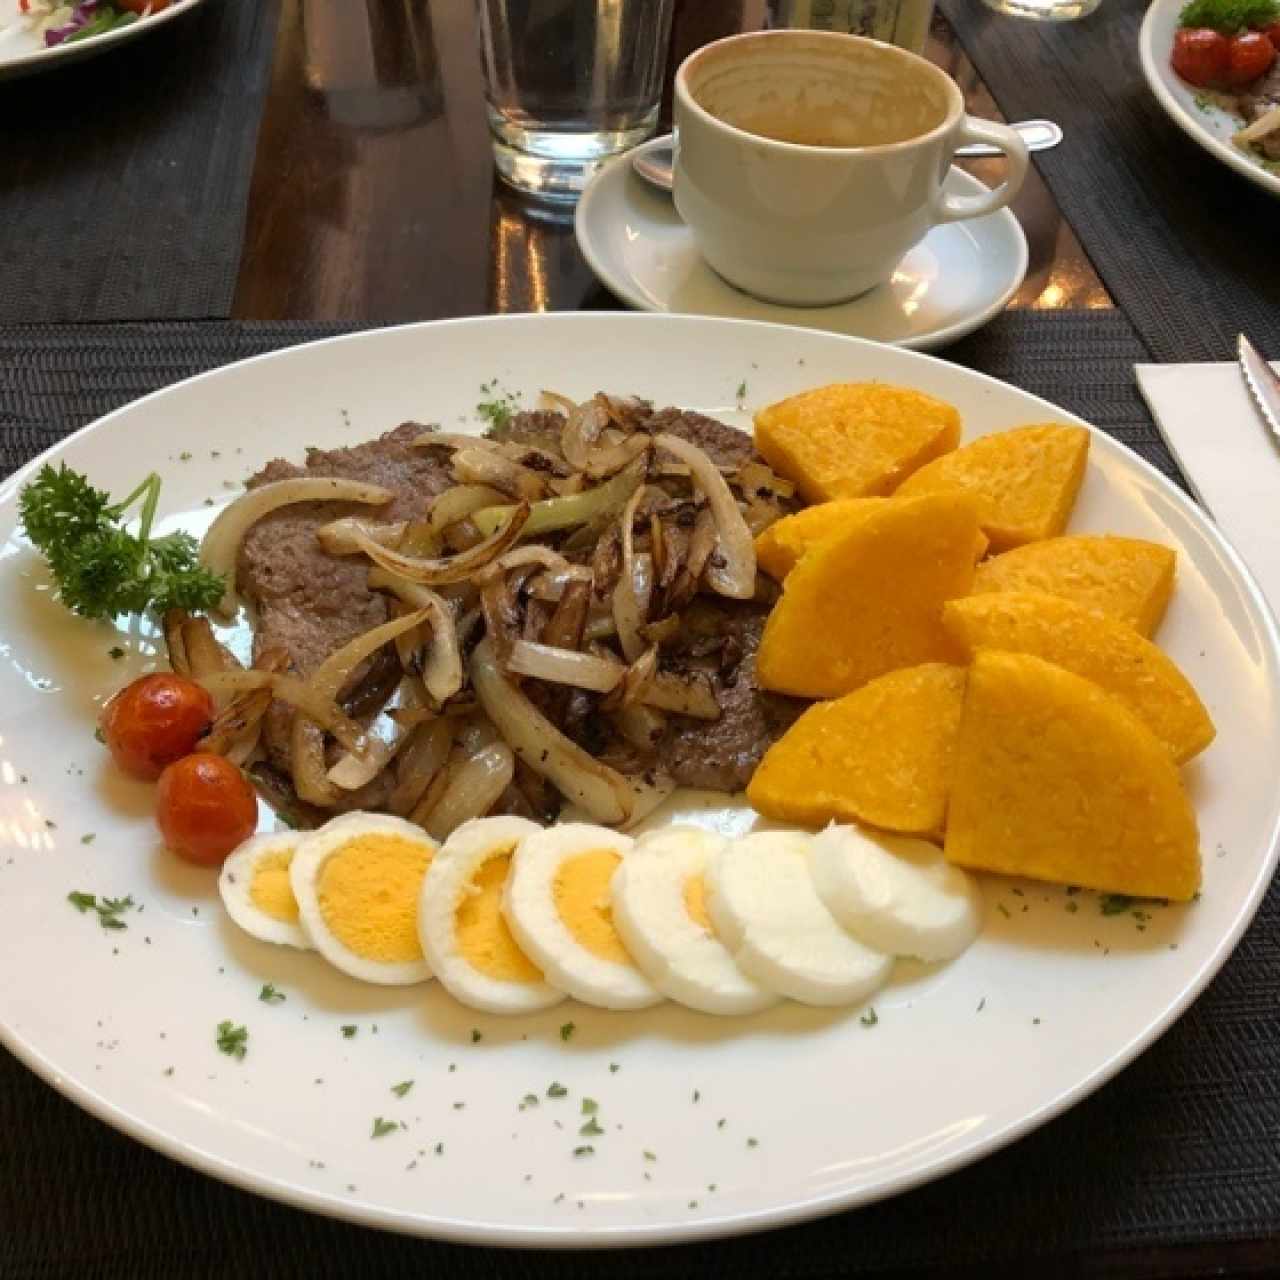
pixel 955 208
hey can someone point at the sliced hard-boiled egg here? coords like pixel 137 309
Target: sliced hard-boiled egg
pixel 763 904
pixel 659 908
pixel 465 937
pixel 895 893
pixel 357 881
pixel 255 889
pixel 558 904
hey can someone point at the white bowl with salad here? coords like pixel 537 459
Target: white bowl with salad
pixel 1214 66
pixel 36 35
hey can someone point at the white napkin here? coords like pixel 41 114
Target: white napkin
pixel 1228 456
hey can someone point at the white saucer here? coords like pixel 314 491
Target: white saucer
pixel 956 279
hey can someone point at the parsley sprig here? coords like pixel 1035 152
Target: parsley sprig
pixel 1229 16
pixel 99 567
pixel 109 909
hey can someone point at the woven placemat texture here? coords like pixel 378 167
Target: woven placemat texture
pixel 126 177
pixel 1180 1147
pixel 1185 245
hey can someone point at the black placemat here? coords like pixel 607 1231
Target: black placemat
pixel 1185 245
pixel 124 179
pixel 1180 1147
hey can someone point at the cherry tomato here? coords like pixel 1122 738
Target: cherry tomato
pixel 154 721
pixel 1250 56
pixel 1200 56
pixel 205 808
pixel 140 6
pixel 1273 34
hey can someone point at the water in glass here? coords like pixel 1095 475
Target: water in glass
pixel 570 83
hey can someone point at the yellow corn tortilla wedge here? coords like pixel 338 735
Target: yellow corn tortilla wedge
pixel 854 439
pixel 1101 649
pixel 1057 780
pixel 1025 480
pixel 869 600
pixel 880 755
pixel 780 546
pixel 1127 578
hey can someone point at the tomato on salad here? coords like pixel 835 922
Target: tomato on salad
pixel 154 721
pixel 1226 44
pixel 1250 55
pixel 205 808
pixel 1201 56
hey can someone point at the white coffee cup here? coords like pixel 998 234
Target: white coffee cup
pixel 807 163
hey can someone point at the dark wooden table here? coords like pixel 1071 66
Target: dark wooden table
pixel 374 199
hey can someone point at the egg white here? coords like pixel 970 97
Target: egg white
pixel 762 901
pixel 235 884
pixel 529 904
pixel 678 954
pixel 896 893
pixel 449 880
pixel 304 875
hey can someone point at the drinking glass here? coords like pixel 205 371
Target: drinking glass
pixel 569 83
pixel 901 22
pixel 1044 10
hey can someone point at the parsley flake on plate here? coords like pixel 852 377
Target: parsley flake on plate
pixel 402 1088
pixel 109 910
pixel 269 994
pixel 382 1127
pixel 233 1040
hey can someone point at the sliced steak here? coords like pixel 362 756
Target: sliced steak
pixel 726 446
pixel 309 602
pixel 721 639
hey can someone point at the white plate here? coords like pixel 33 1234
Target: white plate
pixel 1207 124
pixel 955 280
pixel 23 52
pixel 1046 1006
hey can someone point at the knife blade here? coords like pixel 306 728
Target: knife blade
pixel 1263 383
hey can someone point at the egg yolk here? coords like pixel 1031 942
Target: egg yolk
pixel 695 901
pixel 368 894
pixel 269 889
pixel 583 902
pixel 483 937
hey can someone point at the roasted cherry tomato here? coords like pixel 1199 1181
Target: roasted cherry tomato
pixel 205 808
pixel 153 721
pixel 1250 55
pixel 1273 34
pixel 1201 56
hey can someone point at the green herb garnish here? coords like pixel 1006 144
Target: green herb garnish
pixel 476 1036
pixel 1114 904
pixel 349 1031
pixel 402 1088
pixel 269 994
pixel 591 1129
pixel 109 909
pixel 590 1106
pixel 1229 16
pixel 556 1090
pixel 100 569
pixel 584 1151
pixel 870 1018
pixel 233 1040
pixel 567 1030
pixel 382 1127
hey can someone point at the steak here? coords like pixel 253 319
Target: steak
pixel 726 446
pixel 720 638
pixel 309 602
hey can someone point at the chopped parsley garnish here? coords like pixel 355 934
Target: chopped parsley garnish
pixel 233 1040
pixel 1229 16
pixel 614 1067
pixel 697 1095
pixel 566 1031
pixel 742 389
pixel 88 838
pixel 753 1142
pixel 402 1088
pixel 584 1151
pixel 499 409
pixel 591 1129
pixel 529 1100
pixel 1114 904
pixel 382 1127
pixel 590 1106
pixel 100 569
pixel 476 1035
pixel 870 1018
pixel 349 1031
pixel 109 909
pixel 556 1090
pixel 648 1155
pixel 269 994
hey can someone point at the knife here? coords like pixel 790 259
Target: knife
pixel 1263 383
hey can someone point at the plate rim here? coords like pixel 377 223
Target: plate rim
pixel 1152 69
pixel 798 1210
pixel 928 341
pixel 42 59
